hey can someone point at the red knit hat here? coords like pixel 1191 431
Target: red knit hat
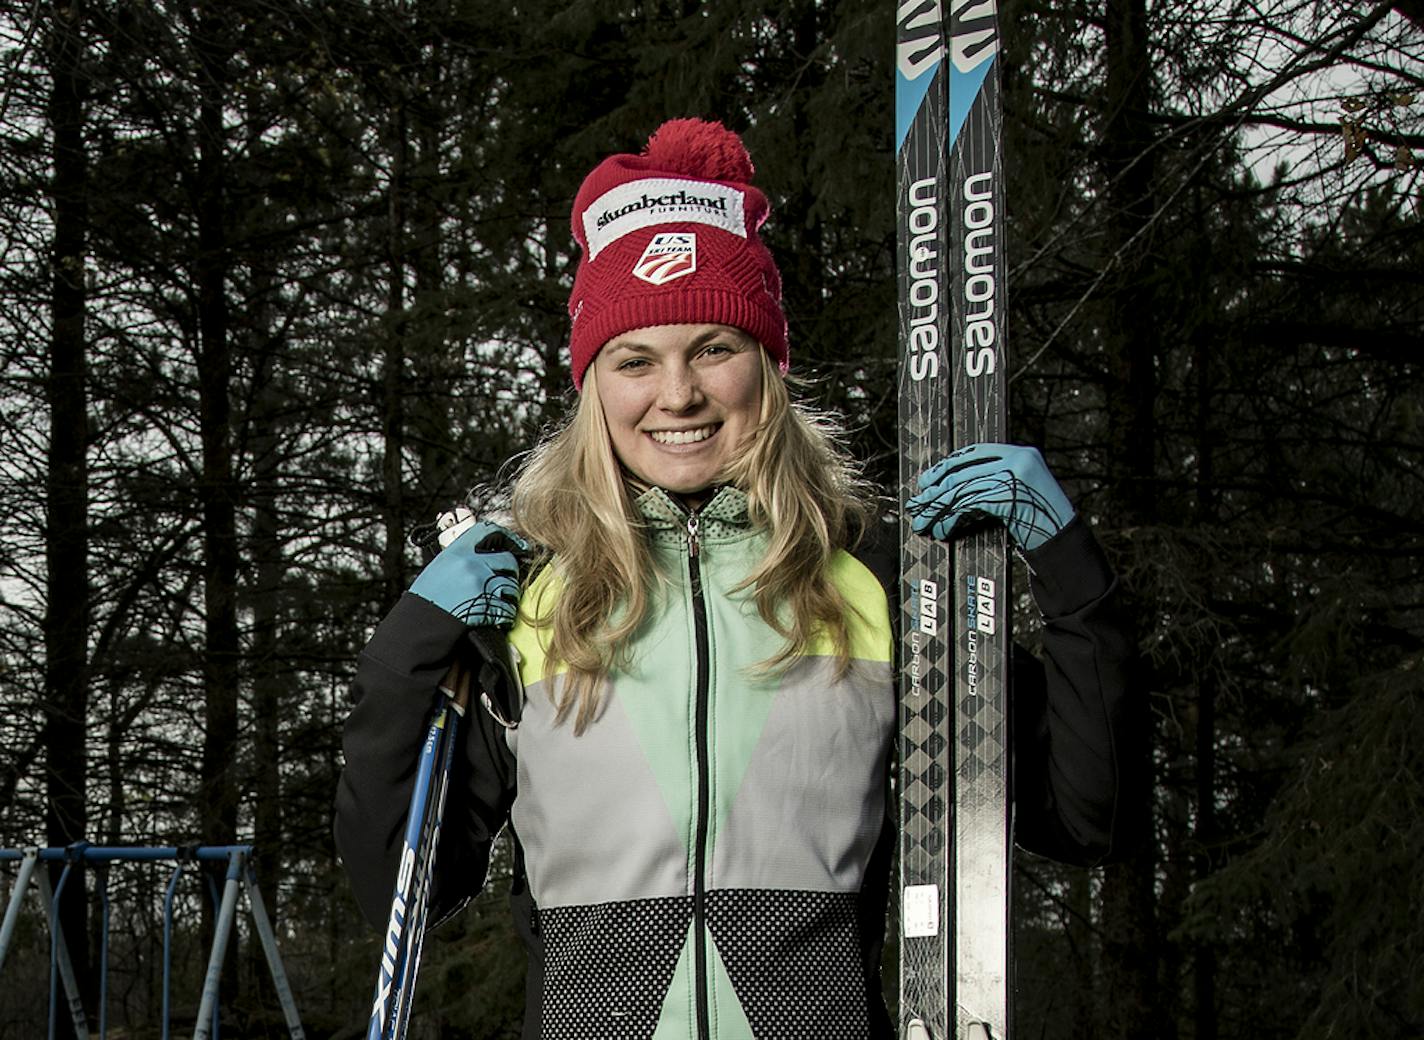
pixel 670 236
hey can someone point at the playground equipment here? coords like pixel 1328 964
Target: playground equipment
pixel 239 877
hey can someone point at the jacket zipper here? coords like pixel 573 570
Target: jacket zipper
pixel 699 893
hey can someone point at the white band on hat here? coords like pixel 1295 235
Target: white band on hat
pixel 661 200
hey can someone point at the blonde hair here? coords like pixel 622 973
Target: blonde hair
pixel 572 499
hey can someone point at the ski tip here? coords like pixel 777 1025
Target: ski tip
pixel 978 1031
pixel 915 1029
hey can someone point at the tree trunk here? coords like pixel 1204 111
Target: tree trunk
pixel 66 626
pixel 218 790
pixel 1204 956
pixel 1131 944
pixel 1083 942
pixel 436 361
pixel 266 552
pixel 1204 834
pixel 217 488
pixel 393 381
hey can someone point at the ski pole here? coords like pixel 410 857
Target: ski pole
pixel 405 927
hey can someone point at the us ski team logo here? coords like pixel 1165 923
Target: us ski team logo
pixel 669 255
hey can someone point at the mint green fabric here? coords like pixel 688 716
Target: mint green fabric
pixel 725 1013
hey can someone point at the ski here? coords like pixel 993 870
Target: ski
pixel 955 815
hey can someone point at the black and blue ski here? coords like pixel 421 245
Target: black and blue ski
pixel 955 816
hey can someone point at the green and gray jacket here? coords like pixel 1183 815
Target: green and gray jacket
pixel 709 859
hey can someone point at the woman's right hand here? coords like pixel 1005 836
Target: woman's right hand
pixel 476 577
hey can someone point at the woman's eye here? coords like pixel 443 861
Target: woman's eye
pixel 631 363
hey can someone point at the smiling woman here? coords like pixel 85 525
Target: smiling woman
pixel 691 712
pixel 671 417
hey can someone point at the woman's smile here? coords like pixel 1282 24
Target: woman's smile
pixel 684 437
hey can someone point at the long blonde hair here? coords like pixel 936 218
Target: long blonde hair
pixel 572 498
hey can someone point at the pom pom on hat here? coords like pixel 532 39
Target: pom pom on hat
pixel 670 236
pixel 700 148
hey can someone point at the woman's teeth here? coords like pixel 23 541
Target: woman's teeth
pixel 682 436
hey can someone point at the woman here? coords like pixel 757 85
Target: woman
pixel 690 701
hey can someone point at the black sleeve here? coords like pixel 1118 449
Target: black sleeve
pixel 396 693
pixel 1076 711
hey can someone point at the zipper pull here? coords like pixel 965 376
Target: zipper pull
pixel 692 534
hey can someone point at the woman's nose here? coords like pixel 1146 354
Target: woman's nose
pixel 679 390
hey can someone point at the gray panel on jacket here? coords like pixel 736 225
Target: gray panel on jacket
pixel 589 812
pixel 812 801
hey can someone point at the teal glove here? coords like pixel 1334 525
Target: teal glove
pixel 476 576
pixel 1004 481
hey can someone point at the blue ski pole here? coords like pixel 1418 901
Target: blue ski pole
pixel 405 927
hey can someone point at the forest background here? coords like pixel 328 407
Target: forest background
pixel 278 281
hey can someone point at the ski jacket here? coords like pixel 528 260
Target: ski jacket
pixel 710 858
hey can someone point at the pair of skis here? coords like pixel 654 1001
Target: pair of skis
pixel 955 816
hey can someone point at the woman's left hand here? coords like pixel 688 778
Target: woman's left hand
pixel 1007 482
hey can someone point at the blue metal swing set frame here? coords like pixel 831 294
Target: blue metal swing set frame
pixel 239 878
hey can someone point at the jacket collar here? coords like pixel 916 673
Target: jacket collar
pixel 723 515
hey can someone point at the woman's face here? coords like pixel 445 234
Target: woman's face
pixel 679 399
